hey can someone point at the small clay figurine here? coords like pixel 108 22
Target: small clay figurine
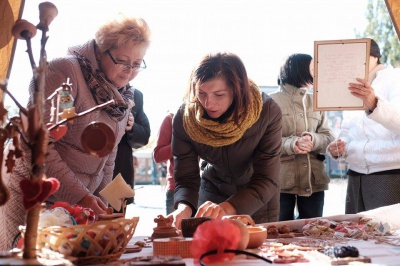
pixel 164 228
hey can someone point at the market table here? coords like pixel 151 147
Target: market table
pixel 381 250
pixel 380 254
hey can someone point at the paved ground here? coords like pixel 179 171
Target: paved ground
pixel 150 202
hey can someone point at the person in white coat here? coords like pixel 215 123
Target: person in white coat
pixel 369 140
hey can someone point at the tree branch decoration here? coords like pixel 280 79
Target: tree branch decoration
pixel 30 128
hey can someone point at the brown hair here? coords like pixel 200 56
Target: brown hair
pixel 229 67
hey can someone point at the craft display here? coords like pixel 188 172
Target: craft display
pixel 31 129
pixel 257 236
pixel 218 241
pixel 174 246
pixel 95 243
pixel 77 213
pixel 116 193
pixel 189 225
pixel 164 228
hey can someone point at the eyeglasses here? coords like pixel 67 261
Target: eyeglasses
pixel 135 67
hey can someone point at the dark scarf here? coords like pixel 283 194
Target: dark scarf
pixel 103 91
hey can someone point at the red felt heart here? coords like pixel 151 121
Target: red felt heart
pixel 58 132
pixel 30 189
pixel 49 186
pixel 55 184
pixel 37 191
pixel 46 188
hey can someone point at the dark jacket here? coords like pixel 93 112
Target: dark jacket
pixel 245 173
pixel 137 137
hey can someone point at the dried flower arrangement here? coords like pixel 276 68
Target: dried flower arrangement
pixel 30 128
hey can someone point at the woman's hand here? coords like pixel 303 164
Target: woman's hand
pixel 131 121
pixel 215 211
pixel 93 202
pixel 337 148
pixel 365 92
pixel 183 212
pixel 303 145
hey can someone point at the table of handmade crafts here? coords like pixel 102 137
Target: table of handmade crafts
pixel 373 248
pixel 380 254
pixel 376 249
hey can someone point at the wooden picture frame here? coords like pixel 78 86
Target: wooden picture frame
pixel 336 64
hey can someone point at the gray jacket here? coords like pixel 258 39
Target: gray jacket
pixel 245 173
pixel 302 174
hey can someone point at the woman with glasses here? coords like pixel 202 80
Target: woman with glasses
pixel 235 130
pixel 99 71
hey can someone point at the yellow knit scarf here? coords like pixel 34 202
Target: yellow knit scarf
pixel 216 134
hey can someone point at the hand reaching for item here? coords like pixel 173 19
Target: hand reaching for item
pixel 182 212
pixel 210 209
pixel 207 209
pixel 93 202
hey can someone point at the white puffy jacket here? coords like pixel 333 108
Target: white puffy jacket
pixel 373 140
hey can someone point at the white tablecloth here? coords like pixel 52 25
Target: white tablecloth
pixel 380 254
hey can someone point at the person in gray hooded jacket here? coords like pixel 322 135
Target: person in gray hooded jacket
pixel 235 130
pixel 305 135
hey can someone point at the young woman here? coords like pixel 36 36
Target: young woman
pixel 236 132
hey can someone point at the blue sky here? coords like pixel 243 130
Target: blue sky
pixel 261 32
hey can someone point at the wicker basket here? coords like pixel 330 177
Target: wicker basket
pixel 96 243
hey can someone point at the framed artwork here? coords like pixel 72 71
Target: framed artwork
pixel 336 64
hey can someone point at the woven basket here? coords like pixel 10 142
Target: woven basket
pixel 96 243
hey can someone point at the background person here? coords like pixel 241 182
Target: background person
pixel 236 132
pixel 99 70
pixel 305 134
pixel 370 141
pixel 163 152
pixel 137 134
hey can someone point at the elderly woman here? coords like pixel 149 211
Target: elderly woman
pixel 99 70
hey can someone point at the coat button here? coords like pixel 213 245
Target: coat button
pixel 301 114
pixel 304 165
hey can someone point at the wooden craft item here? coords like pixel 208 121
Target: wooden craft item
pixel 164 228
